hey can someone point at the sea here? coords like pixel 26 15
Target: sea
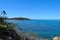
pixel 43 28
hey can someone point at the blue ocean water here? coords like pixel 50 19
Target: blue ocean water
pixel 44 28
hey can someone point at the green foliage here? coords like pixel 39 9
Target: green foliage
pixel 1 20
pixel 1 26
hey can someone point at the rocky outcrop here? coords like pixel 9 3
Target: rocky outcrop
pixel 56 38
pixel 6 34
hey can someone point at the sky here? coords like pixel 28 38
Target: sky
pixel 33 9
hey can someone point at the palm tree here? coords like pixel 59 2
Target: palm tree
pixel 3 14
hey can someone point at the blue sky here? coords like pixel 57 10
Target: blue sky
pixel 34 9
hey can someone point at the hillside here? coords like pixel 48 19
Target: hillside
pixel 17 18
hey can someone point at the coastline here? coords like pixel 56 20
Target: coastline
pixel 17 18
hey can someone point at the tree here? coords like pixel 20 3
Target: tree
pixel 3 14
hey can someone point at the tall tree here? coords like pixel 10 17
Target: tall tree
pixel 3 13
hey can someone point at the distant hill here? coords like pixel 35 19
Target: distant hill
pixel 17 18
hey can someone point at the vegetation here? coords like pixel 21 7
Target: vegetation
pixel 18 18
pixel 7 31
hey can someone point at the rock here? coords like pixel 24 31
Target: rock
pixel 9 34
pixel 0 39
pixel 56 38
